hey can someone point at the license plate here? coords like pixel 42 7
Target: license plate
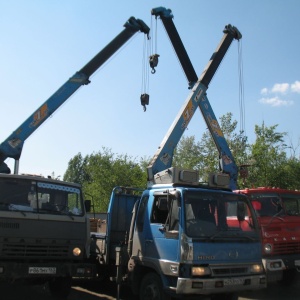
pixel 297 263
pixel 41 270
pixel 233 281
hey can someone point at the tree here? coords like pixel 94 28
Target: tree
pixel 76 170
pixel 144 162
pixel 204 155
pixel 292 174
pixel 187 154
pixel 99 173
pixel 269 157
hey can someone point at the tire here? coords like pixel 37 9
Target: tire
pixel 152 288
pixel 230 296
pixel 60 287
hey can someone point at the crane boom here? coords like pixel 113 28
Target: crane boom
pixel 198 98
pixel 166 17
pixel 12 146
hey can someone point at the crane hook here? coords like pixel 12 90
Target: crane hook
pixel 153 60
pixel 144 100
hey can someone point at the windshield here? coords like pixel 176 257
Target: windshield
pixel 39 197
pixel 291 203
pixel 267 205
pixel 216 214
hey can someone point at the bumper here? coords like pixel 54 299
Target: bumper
pixel 282 262
pixel 186 286
pixel 273 265
pixel 277 267
pixel 14 270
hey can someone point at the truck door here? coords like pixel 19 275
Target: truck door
pixel 157 229
pixel 164 228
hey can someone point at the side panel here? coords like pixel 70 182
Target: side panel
pixel 119 220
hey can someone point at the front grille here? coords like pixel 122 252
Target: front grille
pixel 230 271
pixel 9 225
pixel 33 251
pixel 286 248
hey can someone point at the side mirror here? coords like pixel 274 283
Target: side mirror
pixel 241 212
pixel 88 205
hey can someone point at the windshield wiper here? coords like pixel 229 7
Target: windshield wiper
pixel 69 214
pixel 217 234
pixel 231 234
pixel 276 216
pixel 13 207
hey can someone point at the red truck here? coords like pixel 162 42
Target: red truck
pixel 278 214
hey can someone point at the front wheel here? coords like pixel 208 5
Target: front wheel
pixel 152 288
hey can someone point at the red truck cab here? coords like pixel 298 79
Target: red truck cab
pixel 278 214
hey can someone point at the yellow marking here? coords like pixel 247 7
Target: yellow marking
pixel 39 115
pixel 188 113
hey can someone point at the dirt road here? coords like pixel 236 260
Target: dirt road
pixel 94 291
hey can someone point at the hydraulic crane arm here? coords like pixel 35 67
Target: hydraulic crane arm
pixel 197 98
pixel 12 146
pixel 166 17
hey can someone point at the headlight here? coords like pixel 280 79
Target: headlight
pixel 256 268
pixel 200 271
pixel 268 248
pixel 76 251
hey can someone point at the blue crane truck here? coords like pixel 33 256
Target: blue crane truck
pixel 44 229
pixel 179 238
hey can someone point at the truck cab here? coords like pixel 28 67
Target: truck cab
pixel 278 214
pixel 183 239
pixel 44 232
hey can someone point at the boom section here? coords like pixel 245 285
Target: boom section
pixel 197 98
pixel 12 146
pixel 166 17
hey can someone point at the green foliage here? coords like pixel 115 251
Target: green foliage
pixel 204 155
pixel 187 154
pixel 269 158
pixel 237 141
pixel 144 162
pixel 290 180
pixel 76 170
pixel 100 172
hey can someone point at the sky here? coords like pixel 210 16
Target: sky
pixel 44 43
